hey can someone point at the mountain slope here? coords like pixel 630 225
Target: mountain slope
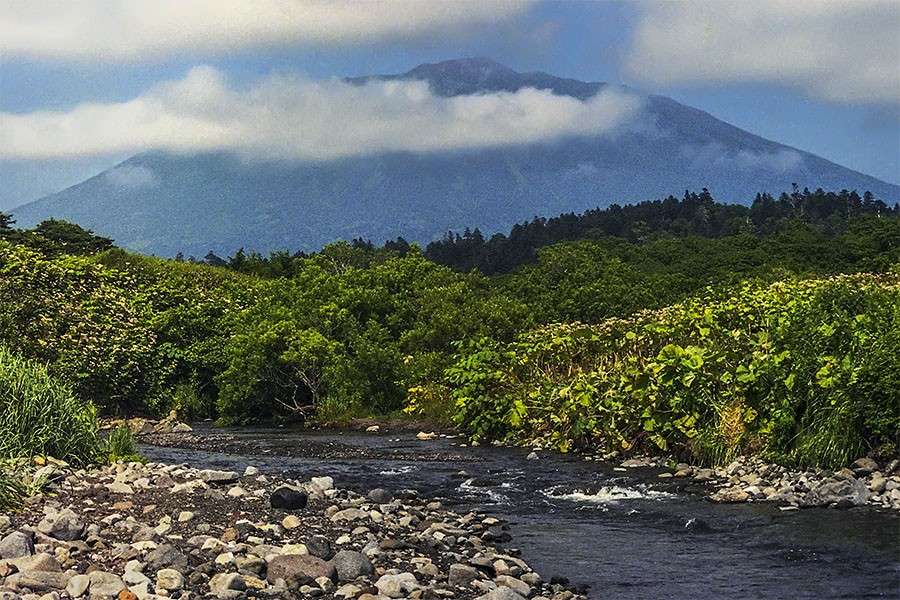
pixel 165 203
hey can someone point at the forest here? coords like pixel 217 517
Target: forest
pixel 690 326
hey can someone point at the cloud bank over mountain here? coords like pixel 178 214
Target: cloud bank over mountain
pixel 836 50
pixel 137 30
pixel 284 117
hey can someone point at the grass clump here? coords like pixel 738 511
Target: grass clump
pixel 40 416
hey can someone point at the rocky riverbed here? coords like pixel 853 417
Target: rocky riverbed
pixel 169 530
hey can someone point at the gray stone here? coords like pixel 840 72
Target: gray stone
pixel 397 586
pixel 218 477
pixel 462 575
pixel 501 593
pixel 297 569
pixel 16 545
pixel 78 586
pixel 224 583
pixel 169 580
pixel 349 565
pixel 166 556
pixel 843 493
pixel 105 585
pixel 380 496
pixel 864 466
pixel 63 525
pixel 516 585
pixel 39 581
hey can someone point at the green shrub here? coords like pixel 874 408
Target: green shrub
pixel 120 445
pixel 805 370
pixel 41 416
pixel 12 492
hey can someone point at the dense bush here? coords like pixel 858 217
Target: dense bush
pixel 41 416
pixel 803 369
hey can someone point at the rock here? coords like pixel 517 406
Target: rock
pixel 877 485
pixel 169 580
pixel 288 498
pixel 291 522
pixel 532 456
pixel 319 545
pixel 63 525
pixel 105 585
pixel 349 514
pixel 349 565
pixel 182 428
pixel 16 545
pixel 516 585
pixel 78 586
pixel 397 586
pixel 166 556
pixel 223 583
pixel 864 466
pixel 843 493
pixel 423 436
pixel 120 487
pixel 39 581
pixel 704 474
pixel 237 492
pixel 502 593
pixel 373 429
pixel 251 471
pixel 323 483
pixel 297 569
pixel 462 575
pixel 731 495
pixel 218 477
pixel 185 516
pixel 380 496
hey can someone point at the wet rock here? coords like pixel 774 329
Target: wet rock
pixel 349 565
pixel 288 498
pixel 532 456
pixel 380 496
pixel 16 545
pixel 297 569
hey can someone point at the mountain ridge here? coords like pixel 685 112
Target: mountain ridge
pixel 163 203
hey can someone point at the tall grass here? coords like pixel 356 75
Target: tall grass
pixel 41 416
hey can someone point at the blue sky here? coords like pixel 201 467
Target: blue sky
pixel 822 77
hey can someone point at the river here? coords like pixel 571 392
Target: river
pixel 623 536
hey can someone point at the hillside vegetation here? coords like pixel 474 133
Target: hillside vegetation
pixel 778 336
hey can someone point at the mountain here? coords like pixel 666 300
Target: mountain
pixel 165 203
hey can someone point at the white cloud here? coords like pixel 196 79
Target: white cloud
pixel 290 118
pixel 838 50
pixel 141 29
pixel 717 156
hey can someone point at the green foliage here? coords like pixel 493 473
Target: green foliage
pixel 120 445
pixel 12 492
pixel 40 416
pixel 803 369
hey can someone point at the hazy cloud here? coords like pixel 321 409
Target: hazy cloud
pixel 291 118
pixel 131 176
pixel 141 29
pixel 716 155
pixel 838 50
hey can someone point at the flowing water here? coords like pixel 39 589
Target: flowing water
pixel 625 536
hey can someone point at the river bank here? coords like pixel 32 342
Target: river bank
pixel 168 530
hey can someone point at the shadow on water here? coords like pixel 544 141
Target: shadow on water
pixel 626 537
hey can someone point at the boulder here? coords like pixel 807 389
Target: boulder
pixel 349 565
pixel 843 493
pixel 397 586
pixel 105 585
pixel 288 498
pixel 462 575
pixel 166 556
pixel 298 569
pixel 16 545
pixel 63 525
